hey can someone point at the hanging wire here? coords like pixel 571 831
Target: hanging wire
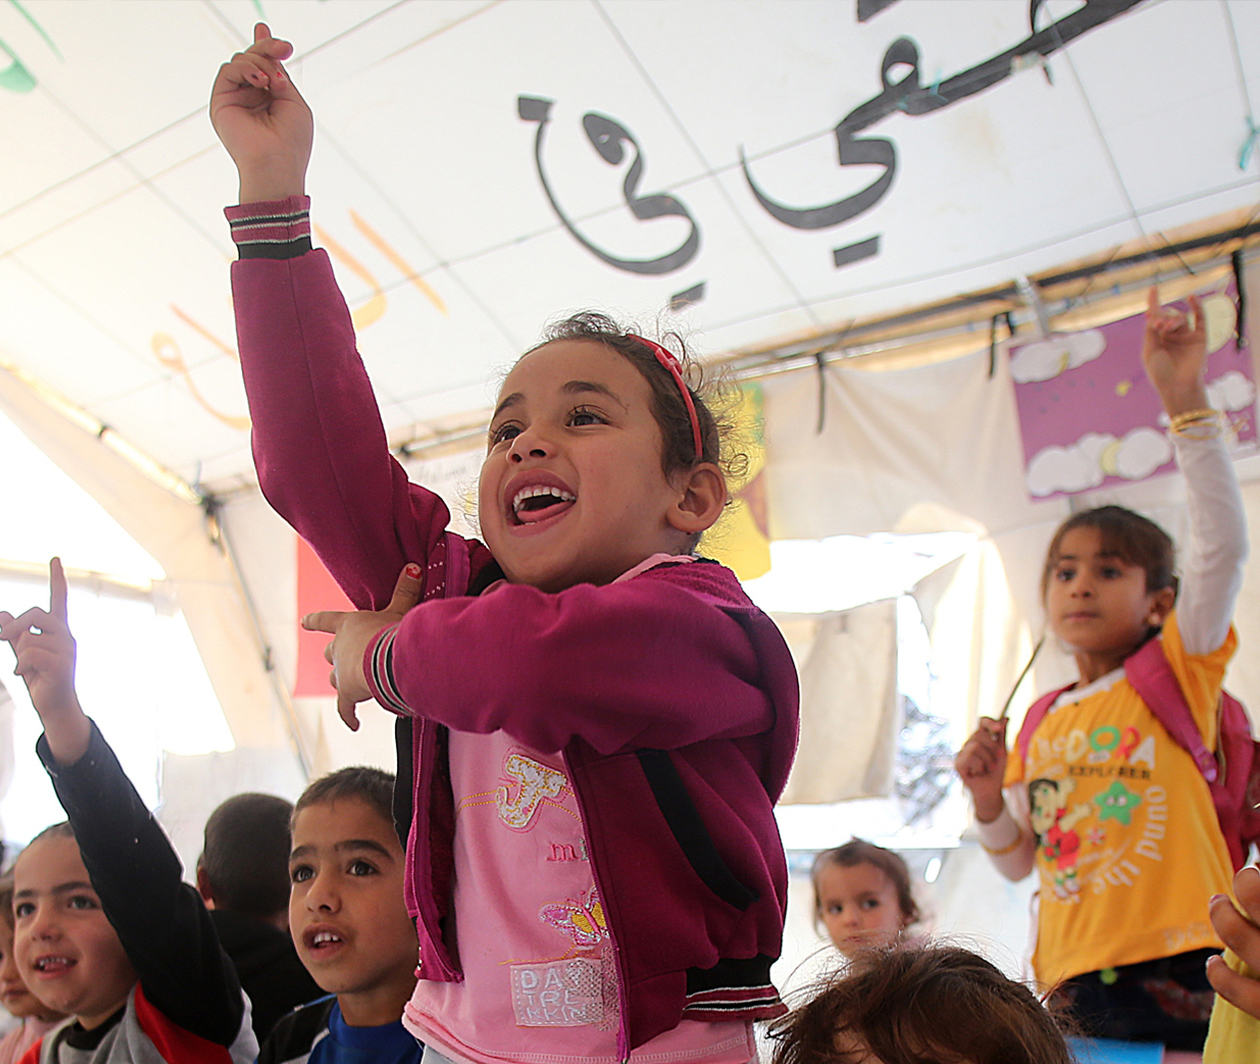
pixel 1253 132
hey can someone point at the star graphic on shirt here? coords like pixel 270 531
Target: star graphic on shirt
pixel 1116 801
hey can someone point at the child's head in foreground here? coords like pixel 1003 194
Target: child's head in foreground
pixel 1108 582
pixel 599 455
pixel 15 996
pixel 862 896
pixel 67 951
pixel 346 910
pixel 920 1004
pixel 244 863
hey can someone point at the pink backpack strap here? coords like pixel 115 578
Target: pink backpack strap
pixel 1036 713
pixel 1156 684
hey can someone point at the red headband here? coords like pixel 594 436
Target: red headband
pixel 670 361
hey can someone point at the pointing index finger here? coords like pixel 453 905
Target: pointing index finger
pixel 57 589
pixel 324 621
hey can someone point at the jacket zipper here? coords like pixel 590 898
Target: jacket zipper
pixel 424 887
pixel 623 982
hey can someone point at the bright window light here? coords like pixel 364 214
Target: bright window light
pixel 138 673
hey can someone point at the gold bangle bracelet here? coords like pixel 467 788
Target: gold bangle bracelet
pixel 1179 421
pixel 1199 430
pixel 1000 850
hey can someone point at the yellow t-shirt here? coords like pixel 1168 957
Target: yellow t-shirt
pixel 1233 1036
pixel 1128 845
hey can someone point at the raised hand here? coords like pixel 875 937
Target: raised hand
pixel 45 652
pixel 352 631
pixel 262 120
pixel 982 765
pixel 1174 352
pixel 1240 931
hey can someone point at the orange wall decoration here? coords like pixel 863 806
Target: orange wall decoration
pixel 316 590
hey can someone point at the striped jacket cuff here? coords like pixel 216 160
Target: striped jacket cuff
pixel 271 229
pixel 378 669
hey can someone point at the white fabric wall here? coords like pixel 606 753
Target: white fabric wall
pixel 849 705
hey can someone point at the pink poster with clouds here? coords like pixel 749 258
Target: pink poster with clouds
pixel 1090 419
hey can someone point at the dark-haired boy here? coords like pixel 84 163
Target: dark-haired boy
pixel 350 926
pixel 243 877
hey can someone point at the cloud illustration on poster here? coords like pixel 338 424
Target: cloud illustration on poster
pixel 1046 359
pixel 1095 456
pixel 1231 391
pixel 1140 453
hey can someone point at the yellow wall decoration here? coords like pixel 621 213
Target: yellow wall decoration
pixel 741 538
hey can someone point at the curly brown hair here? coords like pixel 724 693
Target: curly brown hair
pixel 921 1004
pixel 708 395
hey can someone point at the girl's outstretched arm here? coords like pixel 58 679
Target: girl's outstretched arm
pixel 1174 353
pixel 323 460
pixel 660 661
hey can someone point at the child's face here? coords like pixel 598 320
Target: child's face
pixel 346 909
pixel 15 996
pixel 67 951
pixel 1096 603
pixel 572 489
pixel 859 907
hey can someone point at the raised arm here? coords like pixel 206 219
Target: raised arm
pixel 321 452
pixel 1174 352
pixel 161 921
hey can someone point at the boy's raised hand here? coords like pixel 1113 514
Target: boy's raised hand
pixel 352 631
pixel 1174 352
pixel 262 120
pixel 45 653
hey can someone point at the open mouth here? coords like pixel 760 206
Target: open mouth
pixel 322 940
pixel 538 502
pixel 53 965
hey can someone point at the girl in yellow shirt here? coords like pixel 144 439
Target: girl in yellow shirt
pixel 1111 812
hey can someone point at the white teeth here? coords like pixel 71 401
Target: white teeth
pixel 322 938
pixel 538 490
pixel 43 962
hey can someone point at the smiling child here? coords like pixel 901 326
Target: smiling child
pixel 105 930
pixel 597 721
pixel 36 1018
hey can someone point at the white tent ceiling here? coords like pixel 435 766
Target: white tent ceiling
pixel 432 190
pixel 778 169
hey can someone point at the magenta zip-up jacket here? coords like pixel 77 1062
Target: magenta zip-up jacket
pixel 671 697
